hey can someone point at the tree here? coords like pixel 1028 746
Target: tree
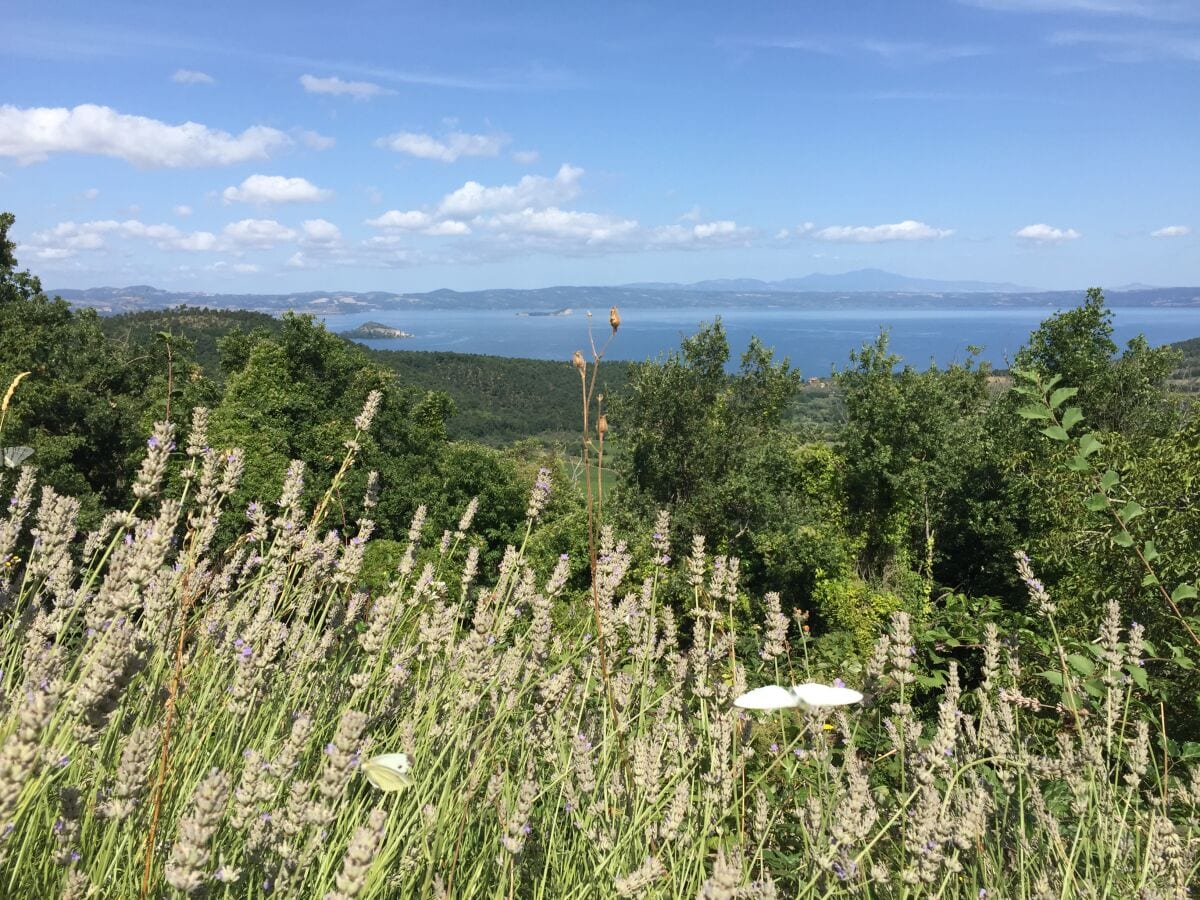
pixel 87 404
pixel 1126 394
pixel 911 441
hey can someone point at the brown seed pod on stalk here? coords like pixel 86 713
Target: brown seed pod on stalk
pixel 577 361
pixel 614 319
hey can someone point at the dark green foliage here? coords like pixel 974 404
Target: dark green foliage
pixel 499 400
pixel 912 443
pixel 202 328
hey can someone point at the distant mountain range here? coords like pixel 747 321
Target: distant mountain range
pixel 864 289
pixel 869 280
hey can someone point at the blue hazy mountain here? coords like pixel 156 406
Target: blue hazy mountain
pixel 872 280
pixel 810 292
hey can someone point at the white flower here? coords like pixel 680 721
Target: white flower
pixel 389 771
pixel 772 696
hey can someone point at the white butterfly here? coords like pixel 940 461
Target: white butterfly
pixel 14 456
pixel 389 771
pixel 772 696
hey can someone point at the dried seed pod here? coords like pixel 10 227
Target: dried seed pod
pixel 577 361
pixel 614 319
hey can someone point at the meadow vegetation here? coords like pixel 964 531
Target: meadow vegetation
pixel 229 596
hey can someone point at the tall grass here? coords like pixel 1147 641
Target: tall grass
pixel 224 704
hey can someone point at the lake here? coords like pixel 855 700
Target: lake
pixel 814 340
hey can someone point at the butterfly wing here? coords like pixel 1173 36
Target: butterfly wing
pixel 389 771
pixel 772 696
pixel 813 694
pixel 14 456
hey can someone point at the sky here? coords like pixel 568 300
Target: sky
pixel 273 147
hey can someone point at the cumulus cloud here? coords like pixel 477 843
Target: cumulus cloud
pixel 526 157
pixel 191 76
pixel 1047 234
pixel 66 239
pixel 552 222
pixel 416 220
pixel 31 135
pixel 408 220
pixel 320 231
pixel 1171 231
pixel 359 90
pixel 259 233
pixel 315 140
pixel 447 149
pixel 182 210
pixel 267 189
pixel 908 230
pixel 532 191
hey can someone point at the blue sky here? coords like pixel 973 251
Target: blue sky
pixel 372 145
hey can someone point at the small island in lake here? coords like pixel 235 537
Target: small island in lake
pixel 374 331
pixel 565 311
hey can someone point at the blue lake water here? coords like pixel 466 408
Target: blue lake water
pixel 814 340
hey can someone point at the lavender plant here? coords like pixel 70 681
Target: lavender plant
pixel 176 721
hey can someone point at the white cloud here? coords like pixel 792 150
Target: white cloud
pixel 532 191
pixel 721 233
pixel 182 210
pixel 526 157
pixel 359 90
pixel 418 220
pixel 908 230
pixel 261 233
pixel 1168 10
pixel 68 238
pixel 320 231
pixel 1171 231
pixel 1047 234
pixel 31 135
pixel 448 227
pixel 315 140
pixel 448 149
pixel 267 189
pixel 890 51
pixel 590 228
pixel 409 220
pixel 91 193
pixel 1140 47
pixel 191 76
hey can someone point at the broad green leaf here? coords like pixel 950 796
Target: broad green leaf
pixel 1096 503
pixel 1184 592
pixel 1109 480
pixel 1150 551
pixel 1079 464
pixel 1122 539
pixel 1095 687
pixel 1062 395
pixel 1132 510
pixel 1150 579
pixel 1071 417
pixel 1138 674
pixel 1081 664
pixel 1088 444
pixel 1054 379
pixel 1055 678
pixel 1034 412
pixel 937 679
pixel 1056 432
